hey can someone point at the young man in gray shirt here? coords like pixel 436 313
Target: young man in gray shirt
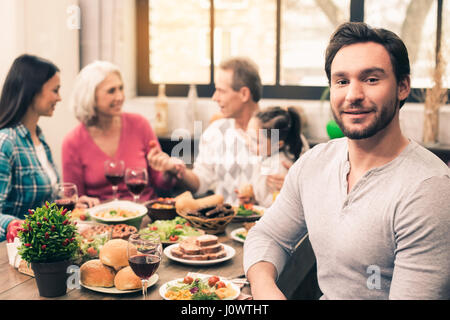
pixel 375 204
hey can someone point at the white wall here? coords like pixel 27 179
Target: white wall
pixel 40 28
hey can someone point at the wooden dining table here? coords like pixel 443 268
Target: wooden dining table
pixel 15 285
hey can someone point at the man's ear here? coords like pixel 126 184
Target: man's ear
pixel 404 88
pixel 245 94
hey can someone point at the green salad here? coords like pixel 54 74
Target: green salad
pixel 247 210
pixel 90 248
pixel 171 230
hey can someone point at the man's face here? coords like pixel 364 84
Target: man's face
pixel 364 93
pixel 230 101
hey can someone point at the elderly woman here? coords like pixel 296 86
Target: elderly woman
pixel 28 176
pixel 105 133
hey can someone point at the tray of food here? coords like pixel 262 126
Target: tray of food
pixel 111 273
pixel 200 288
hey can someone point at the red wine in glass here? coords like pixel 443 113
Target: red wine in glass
pixel 114 173
pixel 114 179
pixel 68 204
pixel 136 180
pixel 144 265
pixel 144 256
pixel 136 186
pixel 66 195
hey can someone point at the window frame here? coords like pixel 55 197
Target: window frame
pixel 146 88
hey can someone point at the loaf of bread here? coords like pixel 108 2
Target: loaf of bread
pixel 126 279
pixel 187 204
pixel 94 273
pixel 114 253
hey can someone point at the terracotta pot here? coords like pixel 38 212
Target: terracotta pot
pixel 51 277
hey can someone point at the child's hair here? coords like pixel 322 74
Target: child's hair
pixel 288 123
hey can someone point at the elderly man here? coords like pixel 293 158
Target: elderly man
pixel 224 163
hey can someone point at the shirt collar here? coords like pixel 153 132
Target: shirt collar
pixel 24 132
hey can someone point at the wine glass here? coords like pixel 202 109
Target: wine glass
pixel 66 195
pixel 144 256
pixel 114 171
pixel 136 180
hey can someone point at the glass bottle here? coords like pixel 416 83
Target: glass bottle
pixel 161 111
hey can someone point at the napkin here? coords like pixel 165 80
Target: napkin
pixel 12 249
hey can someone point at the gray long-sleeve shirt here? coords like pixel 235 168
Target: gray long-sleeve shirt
pixel 389 237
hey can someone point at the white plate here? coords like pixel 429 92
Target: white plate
pixel 153 279
pixel 163 288
pixel 118 204
pixel 229 250
pixel 235 232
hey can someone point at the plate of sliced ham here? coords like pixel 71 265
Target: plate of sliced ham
pixel 200 250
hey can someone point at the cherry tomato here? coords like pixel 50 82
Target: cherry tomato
pixel 213 280
pixel 188 280
pixel 173 238
pixel 187 224
pixel 220 284
pixel 92 252
pixel 82 217
pixel 179 226
pixel 154 228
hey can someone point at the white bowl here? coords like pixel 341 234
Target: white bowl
pixel 119 204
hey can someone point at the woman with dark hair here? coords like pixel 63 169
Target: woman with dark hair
pixel 28 175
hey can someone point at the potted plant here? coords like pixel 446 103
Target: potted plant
pixel 49 242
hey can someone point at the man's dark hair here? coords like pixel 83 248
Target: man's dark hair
pixel 356 32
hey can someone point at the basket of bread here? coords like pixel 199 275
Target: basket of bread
pixel 209 213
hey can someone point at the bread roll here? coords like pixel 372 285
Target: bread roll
pixel 186 204
pixel 114 253
pixel 210 201
pixel 94 273
pixel 126 279
pixel 246 191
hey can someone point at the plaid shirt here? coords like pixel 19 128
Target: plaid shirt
pixel 24 184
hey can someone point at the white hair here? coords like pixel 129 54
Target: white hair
pixel 82 100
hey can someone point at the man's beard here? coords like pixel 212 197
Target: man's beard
pixel 380 122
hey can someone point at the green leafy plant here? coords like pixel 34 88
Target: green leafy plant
pixel 47 235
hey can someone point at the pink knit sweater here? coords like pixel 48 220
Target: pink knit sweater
pixel 83 160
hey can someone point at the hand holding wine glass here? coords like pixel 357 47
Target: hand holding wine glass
pixel 66 195
pixel 114 171
pixel 144 256
pixel 136 180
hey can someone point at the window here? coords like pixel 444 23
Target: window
pixel 182 41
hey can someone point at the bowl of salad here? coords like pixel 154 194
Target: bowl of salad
pixel 172 231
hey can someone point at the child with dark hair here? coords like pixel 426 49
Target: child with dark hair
pixel 274 134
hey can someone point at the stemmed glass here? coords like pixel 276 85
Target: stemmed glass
pixel 66 195
pixel 136 180
pixel 144 256
pixel 114 171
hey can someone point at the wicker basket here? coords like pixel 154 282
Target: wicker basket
pixel 209 225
